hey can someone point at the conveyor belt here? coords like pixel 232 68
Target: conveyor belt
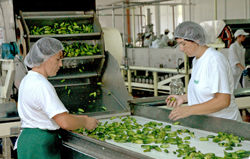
pixel 242 92
pixel 201 125
pixel 203 146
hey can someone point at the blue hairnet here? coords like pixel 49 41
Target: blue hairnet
pixel 192 31
pixel 42 50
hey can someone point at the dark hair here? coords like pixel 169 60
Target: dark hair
pixel 187 40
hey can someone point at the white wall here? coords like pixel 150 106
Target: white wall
pixel 201 10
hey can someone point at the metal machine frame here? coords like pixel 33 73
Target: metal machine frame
pixel 149 64
pixel 153 108
pixel 112 93
pixel 7 79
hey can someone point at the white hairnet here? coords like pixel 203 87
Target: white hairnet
pixel 42 50
pixel 166 30
pixel 192 31
pixel 147 34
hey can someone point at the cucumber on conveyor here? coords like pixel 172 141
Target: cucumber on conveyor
pixel 80 49
pixel 127 130
pixel 68 27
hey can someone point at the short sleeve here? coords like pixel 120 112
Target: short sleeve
pixel 232 56
pixel 218 80
pixel 49 101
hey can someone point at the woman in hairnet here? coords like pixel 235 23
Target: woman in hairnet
pixel 165 39
pixel 211 87
pixel 147 42
pixel 41 111
pixel 236 57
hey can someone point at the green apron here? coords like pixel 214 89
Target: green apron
pixel 34 143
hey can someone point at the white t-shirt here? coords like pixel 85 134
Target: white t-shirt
pixel 147 42
pixel 165 39
pixel 236 54
pixel 212 74
pixel 38 102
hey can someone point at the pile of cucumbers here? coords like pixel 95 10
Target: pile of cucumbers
pixel 80 49
pixel 68 27
pixel 149 134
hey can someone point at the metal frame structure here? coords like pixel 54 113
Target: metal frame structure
pixel 180 73
pixel 7 77
pixel 113 22
pixel 9 127
pixel 126 69
pixel 152 108
pixel 123 5
pixel 156 85
pixel 159 111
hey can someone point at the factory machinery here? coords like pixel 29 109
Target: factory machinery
pixel 168 62
pixel 151 69
pixel 92 85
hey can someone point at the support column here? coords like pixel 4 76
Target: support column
pixel 157 21
pixel 128 24
pixel 173 17
pixel 113 16
pixel 129 82
pixel 6 145
pixel 215 9
pixel 190 10
pixel 155 75
pixel 133 23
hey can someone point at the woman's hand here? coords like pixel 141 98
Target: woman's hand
pixel 91 123
pixel 174 100
pixel 180 112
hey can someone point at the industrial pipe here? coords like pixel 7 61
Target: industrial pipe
pixel 173 17
pixel 123 35
pixel 246 8
pixel 129 82
pixel 225 9
pixel 155 76
pixel 215 9
pixel 141 23
pixel 148 17
pixel 190 10
pixel 157 22
pixel 123 24
pixel 113 16
pixel 137 4
pixel 128 24
pixel 140 4
pixel 133 24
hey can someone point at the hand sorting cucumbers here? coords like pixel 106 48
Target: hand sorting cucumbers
pixel 68 27
pixel 79 49
pixel 172 99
